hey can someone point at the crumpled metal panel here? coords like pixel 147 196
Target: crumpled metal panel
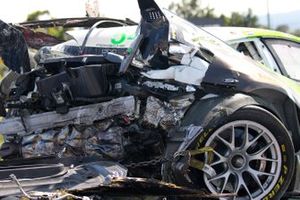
pixel 191 71
pixel 80 177
pixel 85 22
pixel 82 115
pixel 97 140
pixel 165 115
pixel 155 29
pixel 36 39
pixel 13 48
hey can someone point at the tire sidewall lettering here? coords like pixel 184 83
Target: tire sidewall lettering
pixel 207 132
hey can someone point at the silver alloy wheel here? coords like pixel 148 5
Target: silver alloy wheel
pixel 246 160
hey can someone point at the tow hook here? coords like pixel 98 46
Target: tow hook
pixel 183 160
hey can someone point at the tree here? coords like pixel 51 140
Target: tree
pixel 36 15
pixel 240 19
pixel 192 9
pixel 297 32
pixel 283 28
pixel 250 19
pixel 57 32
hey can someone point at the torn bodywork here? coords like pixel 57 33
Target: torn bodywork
pixel 83 115
pixel 81 124
pixel 13 48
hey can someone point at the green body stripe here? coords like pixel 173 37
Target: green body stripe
pixel 118 39
pixel 270 34
pixel 121 38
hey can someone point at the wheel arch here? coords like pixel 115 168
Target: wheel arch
pixel 213 110
pixel 285 109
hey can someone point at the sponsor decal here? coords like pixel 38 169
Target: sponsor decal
pixel 121 38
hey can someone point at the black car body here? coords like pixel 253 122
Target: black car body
pixel 180 106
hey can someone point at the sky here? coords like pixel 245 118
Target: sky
pixel 17 10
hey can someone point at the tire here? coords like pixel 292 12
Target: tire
pixel 253 156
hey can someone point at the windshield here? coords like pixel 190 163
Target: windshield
pixel 186 32
pixel 287 54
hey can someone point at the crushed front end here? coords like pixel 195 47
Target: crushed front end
pixel 81 124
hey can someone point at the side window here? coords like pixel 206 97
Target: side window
pixel 287 55
pixel 249 49
pixel 258 51
pixel 268 58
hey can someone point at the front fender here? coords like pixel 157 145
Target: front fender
pixel 206 114
pixel 213 109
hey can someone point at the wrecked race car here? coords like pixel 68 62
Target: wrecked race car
pixel 179 107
